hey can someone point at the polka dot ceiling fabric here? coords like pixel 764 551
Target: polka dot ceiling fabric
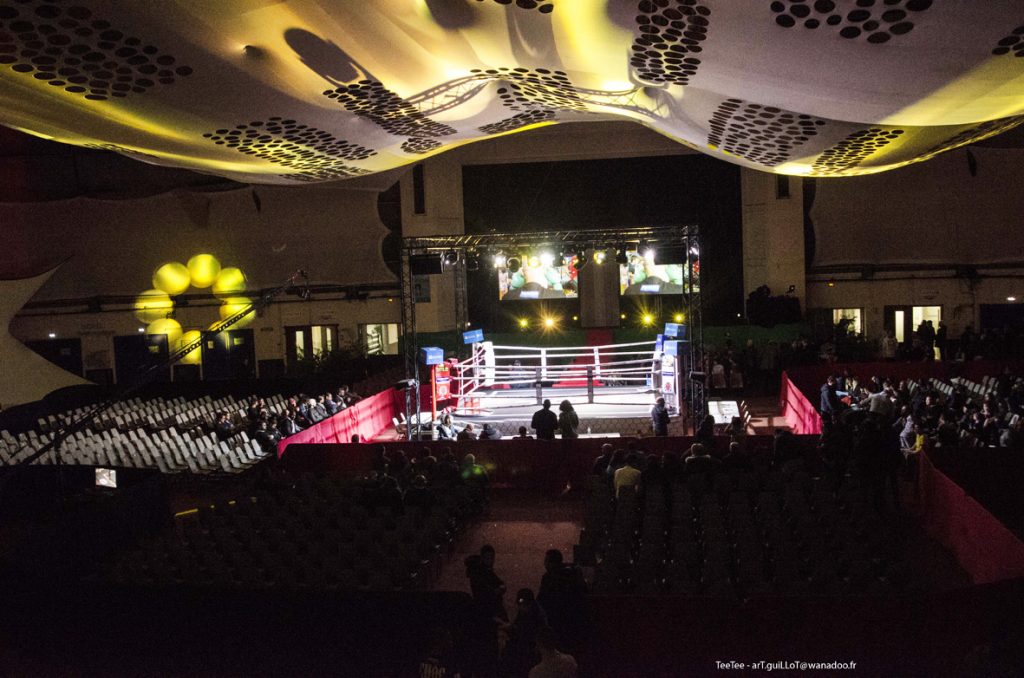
pixel 265 91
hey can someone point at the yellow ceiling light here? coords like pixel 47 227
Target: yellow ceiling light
pixel 152 305
pixel 195 356
pixel 167 326
pixel 678 317
pixel 233 305
pixel 204 269
pixel 172 278
pixel 230 282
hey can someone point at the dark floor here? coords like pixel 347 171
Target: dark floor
pixel 521 525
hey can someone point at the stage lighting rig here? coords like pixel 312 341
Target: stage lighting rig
pixel 514 264
pixel 451 257
pixel 499 260
pixel 599 256
pixel 620 256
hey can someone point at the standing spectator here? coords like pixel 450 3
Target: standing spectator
pixel 489 602
pixel 568 421
pixel 601 462
pixel 830 404
pixel 659 418
pixel 889 346
pixel 705 434
pixel 941 339
pixel 553 664
pixel 545 422
pixel 563 595
pixel 701 461
pixel 628 475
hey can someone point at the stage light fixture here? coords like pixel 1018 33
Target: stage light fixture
pixel 599 256
pixel 523 323
pixel 623 316
pixel 451 257
pixel 647 319
pixel 1011 298
pixel 52 335
pixel 142 330
pixel 514 264
pixel 678 317
pixel 547 259
pixel 549 322
pixel 499 260
pixel 649 254
pixel 575 318
pixel 620 256
pixel 581 259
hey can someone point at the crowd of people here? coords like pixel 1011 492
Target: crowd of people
pixel 301 412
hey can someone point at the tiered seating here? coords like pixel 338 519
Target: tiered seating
pixel 737 535
pixel 320 534
pixel 172 435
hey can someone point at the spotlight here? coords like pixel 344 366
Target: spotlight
pixel 451 257
pixel 599 256
pixel 514 264
pixel 52 335
pixel 549 322
pixel 620 256
pixel 678 317
pixel 647 319
pixel 581 259
pixel 792 288
pixel 547 259
pixel 1011 298
pixel 473 261
pixel 523 323
pixel 623 316
pixel 142 330
pixel 575 318
pixel 499 260
pixel 831 283
pixel 649 254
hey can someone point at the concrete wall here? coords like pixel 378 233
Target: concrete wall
pixel 773 234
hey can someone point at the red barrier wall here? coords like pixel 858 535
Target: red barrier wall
pixel 982 545
pixel 798 410
pixel 368 418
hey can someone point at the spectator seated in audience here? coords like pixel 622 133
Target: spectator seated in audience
pixel 224 428
pixel 699 460
pixel 420 495
pixel 523 434
pixel 489 432
pixel 445 429
pixel 468 433
pixel 267 438
pixel 520 653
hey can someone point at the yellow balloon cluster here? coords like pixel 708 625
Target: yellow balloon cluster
pixel 173 278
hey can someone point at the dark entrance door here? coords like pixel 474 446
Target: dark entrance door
pixel 134 354
pixel 229 355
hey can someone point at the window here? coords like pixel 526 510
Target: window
pixel 379 338
pixel 923 313
pixel 310 341
pixel 852 315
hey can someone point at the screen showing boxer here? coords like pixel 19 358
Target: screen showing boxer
pixel 536 275
pixel 640 275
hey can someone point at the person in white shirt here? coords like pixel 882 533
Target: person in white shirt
pixel 889 346
pixel 553 664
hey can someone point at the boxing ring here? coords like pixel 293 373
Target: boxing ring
pixel 614 381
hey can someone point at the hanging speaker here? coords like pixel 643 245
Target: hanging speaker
pixel 426 264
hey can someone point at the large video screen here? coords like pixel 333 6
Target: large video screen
pixel 640 275
pixel 536 275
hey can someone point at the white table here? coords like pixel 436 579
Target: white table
pixel 723 410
